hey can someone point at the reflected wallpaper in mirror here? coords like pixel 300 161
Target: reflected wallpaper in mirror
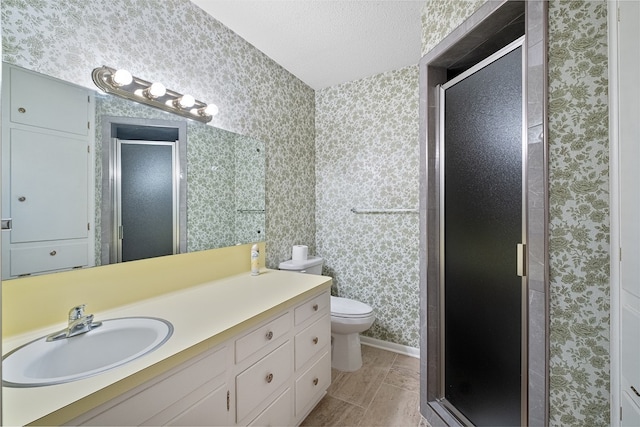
pixel 225 179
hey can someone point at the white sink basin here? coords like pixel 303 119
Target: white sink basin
pixel 116 342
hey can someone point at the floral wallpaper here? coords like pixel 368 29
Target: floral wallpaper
pixel 367 158
pixel 177 43
pixel 579 213
pixel 440 17
pixel 579 201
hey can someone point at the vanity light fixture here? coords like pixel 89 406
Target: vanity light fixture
pixel 122 83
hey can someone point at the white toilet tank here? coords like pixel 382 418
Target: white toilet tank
pixel 312 265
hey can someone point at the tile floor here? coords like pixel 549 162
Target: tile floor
pixel 384 392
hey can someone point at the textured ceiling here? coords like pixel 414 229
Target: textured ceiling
pixel 327 42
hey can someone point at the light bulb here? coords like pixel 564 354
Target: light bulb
pixel 122 78
pixel 210 110
pixel 156 90
pixel 185 101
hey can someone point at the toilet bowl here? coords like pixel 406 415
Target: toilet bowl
pixel 348 319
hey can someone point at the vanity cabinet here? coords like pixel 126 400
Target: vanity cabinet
pixel 47 174
pixel 274 373
pixel 194 393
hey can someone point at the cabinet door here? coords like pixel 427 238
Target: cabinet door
pixel 209 411
pixel 630 350
pixel 630 412
pixel 169 398
pixel 279 413
pixel 48 103
pixel 49 187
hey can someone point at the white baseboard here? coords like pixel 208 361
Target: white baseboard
pixel 390 346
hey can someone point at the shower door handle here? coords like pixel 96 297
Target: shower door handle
pixel 521 260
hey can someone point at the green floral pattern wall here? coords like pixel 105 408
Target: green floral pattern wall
pixel 579 213
pixel 367 158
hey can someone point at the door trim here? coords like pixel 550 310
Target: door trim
pixel 110 124
pixel 614 206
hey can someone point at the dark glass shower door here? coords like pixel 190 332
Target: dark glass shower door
pixel 482 226
pixel 147 200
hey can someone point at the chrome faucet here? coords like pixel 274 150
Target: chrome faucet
pixel 79 323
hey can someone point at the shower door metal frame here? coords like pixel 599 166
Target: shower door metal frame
pixel 117 203
pixel 440 131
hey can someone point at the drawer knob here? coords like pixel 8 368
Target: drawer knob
pixel 269 335
pixel 22 110
pixel 53 253
pixel 315 381
pixel 635 391
pixel 269 378
pixel 22 199
pixel 315 340
pixel 315 307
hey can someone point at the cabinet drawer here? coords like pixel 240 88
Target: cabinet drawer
pixel 258 382
pixel 262 337
pixel 311 340
pixel 48 257
pixel 313 382
pixel 312 307
pixel 279 413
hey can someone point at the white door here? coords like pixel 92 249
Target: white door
pixel 628 57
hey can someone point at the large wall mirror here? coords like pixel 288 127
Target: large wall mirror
pixel 216 185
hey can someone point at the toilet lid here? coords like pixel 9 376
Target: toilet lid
pixel 345 307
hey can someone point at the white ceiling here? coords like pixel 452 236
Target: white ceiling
pixel 327 42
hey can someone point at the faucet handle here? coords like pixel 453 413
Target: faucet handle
pixel 76 312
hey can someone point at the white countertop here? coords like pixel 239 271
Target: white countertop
pixel 202 316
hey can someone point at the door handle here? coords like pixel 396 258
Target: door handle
pixel 521 260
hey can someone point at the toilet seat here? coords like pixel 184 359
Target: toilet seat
pixel 349 309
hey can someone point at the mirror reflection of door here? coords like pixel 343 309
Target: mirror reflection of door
pixel 146 199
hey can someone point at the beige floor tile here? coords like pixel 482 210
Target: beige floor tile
pixel 334 412
pixel 405 373
pixel 393 406
pixel 335 374
pixel 361 386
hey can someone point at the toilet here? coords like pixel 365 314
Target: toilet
pixel 348 319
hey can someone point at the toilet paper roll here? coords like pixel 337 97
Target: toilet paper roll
pixel 299 253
